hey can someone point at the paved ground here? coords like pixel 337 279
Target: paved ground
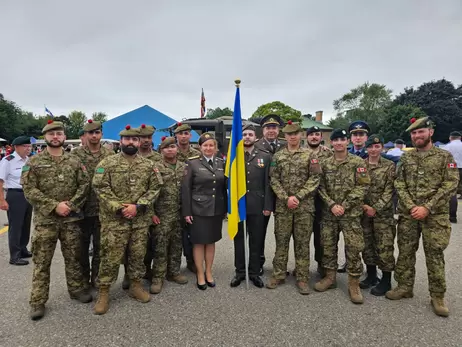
pixel 222 316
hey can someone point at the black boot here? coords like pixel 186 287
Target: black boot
pixel 384 285
pixel 371 280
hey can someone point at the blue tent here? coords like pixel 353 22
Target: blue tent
pixel 389 144
pixel 143 115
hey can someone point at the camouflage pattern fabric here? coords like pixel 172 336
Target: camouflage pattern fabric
pixel 153 156
pixel 183 156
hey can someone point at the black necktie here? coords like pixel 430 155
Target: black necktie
pixel 210 162
pixel 358 153
pixel 247 155
pixel 273 145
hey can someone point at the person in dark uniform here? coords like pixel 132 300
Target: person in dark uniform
pixel 271 143
pixel 259 202
pixel 204 204
pixel 19 210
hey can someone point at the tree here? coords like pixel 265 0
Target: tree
pixel 99 117
pixel 76 121
pixel 213 113
pixel 276 107
pixel 396 120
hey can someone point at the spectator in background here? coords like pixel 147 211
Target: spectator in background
pixel 398 150
pixel 455 148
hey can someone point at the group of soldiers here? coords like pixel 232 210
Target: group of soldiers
pixel 129 205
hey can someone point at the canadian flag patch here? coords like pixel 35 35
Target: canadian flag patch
pixel 314 161
pixel 361 169
pixel 452 165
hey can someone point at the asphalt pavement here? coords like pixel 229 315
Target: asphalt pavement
pixel 224 316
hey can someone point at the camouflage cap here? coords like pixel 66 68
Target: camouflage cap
pixel 248 126
pixel 181 127
pixel 92 125
pixel 374 139
pixel 52 125
pixel 420 123
pixel 291 128
pixel 338 134
pixel 167 141
pixel 205 137
pixel 129 131
pixel 313 129
pixel 146 130
pixel 271 119
pixel 21 140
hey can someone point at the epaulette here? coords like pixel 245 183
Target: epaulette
pixel 262 150
pixel 10 157
pixel 194 157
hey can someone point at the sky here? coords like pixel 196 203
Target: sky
pixel 115 56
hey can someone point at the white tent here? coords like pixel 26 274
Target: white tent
pixel 3 140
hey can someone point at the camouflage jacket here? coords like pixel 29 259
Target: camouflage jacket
pixel 153 156
pixel 380 191
pixel 169 201
pixel 321 154
pixel 49 180
pixel 183 156
pixel 91 160
pixel 344 183
pixel 118 181
pixel 426 179
pixel 296 174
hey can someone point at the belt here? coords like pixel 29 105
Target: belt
pixel 15 190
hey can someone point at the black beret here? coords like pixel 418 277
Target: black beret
pixel 313 129
pixel 455 134
pixel 338 134
pixel 399 142
pixel 21 140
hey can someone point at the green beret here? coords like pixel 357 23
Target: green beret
pixel 374 139
pixel 205 137
pixel 420 123
pixel 129 131
pixel 81 132
pixel 91 125
pixel 338 134
pixel 146 130
pixel 181 127
pixel 291 128
pixel 167 141
pixel 21 140
pixel 53 125
pixel 248 126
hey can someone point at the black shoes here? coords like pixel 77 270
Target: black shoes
pixel 257 282
pixel 384 285
pixel 201 286
pixel 261 272
pixel 371 280
pixel 236 281
pixel 453 219
pixel 26 254
pixel 210 284
pixel 19 262
pixel 342 268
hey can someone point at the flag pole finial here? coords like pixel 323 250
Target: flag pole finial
pixel 238 82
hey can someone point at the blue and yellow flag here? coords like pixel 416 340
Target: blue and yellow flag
pixel 235 171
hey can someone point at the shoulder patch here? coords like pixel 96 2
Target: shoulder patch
pixel 100 170
pixel 10 157
pixel 273 163
pixel 361 169
pixel 314 161
pixel 25 168
pixel 452 165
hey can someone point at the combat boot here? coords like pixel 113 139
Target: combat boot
pixel 102 304
pixel 126 282
pixel 156 286
pixel 328 282
pixel 356 296
pixel 303 288
pixel 179 279
pixel 371 280
pixel 439 306
pixel 37 312
pixel 137 292
pixel 273 283
pixel 83 296
pixel 384 285
pixel 399 293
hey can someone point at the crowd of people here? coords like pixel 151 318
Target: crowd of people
pixel 143 209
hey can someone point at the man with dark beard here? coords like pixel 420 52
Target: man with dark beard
pixel 259 204
pixel 427 178
pixel 56 185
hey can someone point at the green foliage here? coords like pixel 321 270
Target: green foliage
pixel 396 120
pixel 276 107
pixel 99 116
pixel 213 113
pixel 76 121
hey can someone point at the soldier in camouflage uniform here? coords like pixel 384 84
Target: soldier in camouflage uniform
pixel 185 151
pixel 167 218
pixel 378 222
pixel 127 185
pixel 427 177
pixel 295 175
pixel 90 154
pixel 56 185
pixel 343 185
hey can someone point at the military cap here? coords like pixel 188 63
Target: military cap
pixel 420 123
pixel 455 134
pixel 129 131
pixel 271 119
pixel 358 125
pixel 291 127
pixel 338 134
pixel 167 141
pixel 399 142
pixel 21 140
pixel 52 125
pixel 248 126
pixel 146 130
pixel 373 139
pixel 313 129
pixel 91 125
pixel 181 127
pixel 81 132
pixel 205 137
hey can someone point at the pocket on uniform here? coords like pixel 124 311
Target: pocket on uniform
pixel 440 233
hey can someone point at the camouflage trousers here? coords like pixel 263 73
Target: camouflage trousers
pixel 300 225
pixel 44 240
pixel 354 244
pixel 379 242
pixel 114 243
pixel 436 232
pixel 167 238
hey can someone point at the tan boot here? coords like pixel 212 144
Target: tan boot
pixel 356 296
pixel 37 312
pixel 328 282
pixel 137 292
pixel 439 306
pixel 399 293
pixel 102 304
pixel 273 283
pixel 179 279
pixel 303 288
pixel 156 286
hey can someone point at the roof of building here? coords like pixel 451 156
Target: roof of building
pixel 308 123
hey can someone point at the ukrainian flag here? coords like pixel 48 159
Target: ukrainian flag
pixel 235 171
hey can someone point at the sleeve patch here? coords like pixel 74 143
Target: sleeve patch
pixel 25 168
pixel 273 163
pixel 314 161
pixel 361 170
pixel 84 169
pixel 100 170
pixel 452 165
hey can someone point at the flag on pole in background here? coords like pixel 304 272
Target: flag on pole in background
pixel 235 171
pixel 203 110
pixel 48 112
